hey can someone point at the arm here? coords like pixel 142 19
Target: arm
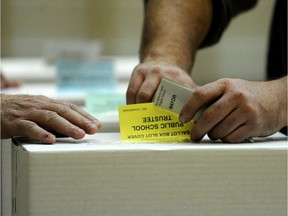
pixel 34 116
pixel 238 109
pixel 173 31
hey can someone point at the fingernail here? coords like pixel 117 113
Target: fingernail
pixel 94 125
pixel 97 123
pixel 49 138
pixel 182 118
pixel 79 130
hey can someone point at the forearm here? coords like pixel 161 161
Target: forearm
pixel 173 31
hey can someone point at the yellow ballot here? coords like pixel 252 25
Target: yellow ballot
pixel 148 122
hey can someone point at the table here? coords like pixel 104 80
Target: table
pixel 100 175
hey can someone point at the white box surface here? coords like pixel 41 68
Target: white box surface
pixel 99 175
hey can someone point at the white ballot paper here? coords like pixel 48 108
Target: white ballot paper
pixel 172 96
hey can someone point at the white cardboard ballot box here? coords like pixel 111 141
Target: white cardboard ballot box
pixel 100 175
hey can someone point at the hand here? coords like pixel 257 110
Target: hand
pixel 146 78
pixel 6 83
pixel 33 116
pixel 237 109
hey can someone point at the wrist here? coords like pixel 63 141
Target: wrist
pixel 169 55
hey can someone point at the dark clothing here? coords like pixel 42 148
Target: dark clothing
pixel 277 54
pixel 225 10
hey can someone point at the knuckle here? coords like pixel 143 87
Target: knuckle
pixel 37 102
pixel 140 69
pixel 50 116
pixel 199 94
pixel 63 110
pixel 227 82
pixel 142 96
pixel 10 115
pixel 43 97
pixel 209 115
pixel 70 106
pixel 27 126
pixel 240 96
pixel 156 70
pixel 37 99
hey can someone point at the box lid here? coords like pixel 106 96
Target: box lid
pixel 112 142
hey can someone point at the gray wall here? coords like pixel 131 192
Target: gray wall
pixel 241 52
pixel 28 24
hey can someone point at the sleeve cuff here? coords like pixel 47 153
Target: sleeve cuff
pixel 220 20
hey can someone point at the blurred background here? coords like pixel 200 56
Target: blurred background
pixel 29 26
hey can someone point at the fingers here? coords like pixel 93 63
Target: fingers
pixel 35 116
pixel 211 117
pixel 242 133
pixel 135 82
pixel 233 128
pixel 148 88
pixel 231 112
pixel 53 121
pixel 228 125
pixel 76 116
pixel 143 85
pixel 201 96
pixel 146 77
pixel 32 130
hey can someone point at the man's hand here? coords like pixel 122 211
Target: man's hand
pixel 146 78
pixel 33 116
pixel 237 109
